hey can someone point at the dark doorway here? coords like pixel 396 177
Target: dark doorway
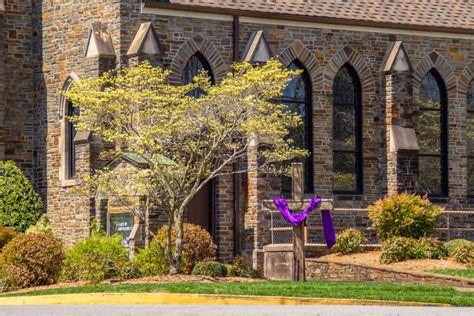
pixel 201 209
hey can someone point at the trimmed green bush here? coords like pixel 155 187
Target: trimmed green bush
pixel 240 268
pixel 20 205
pixel 6 234
pixel 42 226
pixel 402 248
pixel 96 258
pixel 151 261
pixel 404 215
pixel 210 268
pixel 464 253
pixel 197 245
pixel 453 244
pixel 31 259
pixel 349 241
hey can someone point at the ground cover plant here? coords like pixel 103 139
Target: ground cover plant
pixel 398 249
pixel 467 273
pixel 318 289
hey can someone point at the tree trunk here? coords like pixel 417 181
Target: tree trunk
pixel 147 222
pixel 178 249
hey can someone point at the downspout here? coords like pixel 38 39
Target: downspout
pixel 236 166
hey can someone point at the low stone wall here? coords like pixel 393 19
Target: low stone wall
pixel 317 269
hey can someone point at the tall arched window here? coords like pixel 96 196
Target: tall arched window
pixel 194 66
pixel 347 132
pixel 470 139
pixel 70 147
pixel 433 136
pixel 297 97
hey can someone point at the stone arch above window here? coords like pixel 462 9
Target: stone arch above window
pixel 299 52
pixel 197 44
pixel 442 67
pixel 350 56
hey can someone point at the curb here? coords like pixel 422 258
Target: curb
pixel 190 299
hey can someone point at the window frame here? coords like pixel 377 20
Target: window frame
pixel 444 139
pixel 358 124
pixel 308 124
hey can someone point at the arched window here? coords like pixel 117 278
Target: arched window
pixel 194 66
pixel 433 136
pixel 470 139
pixel 70 147
pixel 297 97
pixel 347 132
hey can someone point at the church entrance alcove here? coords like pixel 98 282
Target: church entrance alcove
pixel 201 210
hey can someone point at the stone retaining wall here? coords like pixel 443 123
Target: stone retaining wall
pixel 325 270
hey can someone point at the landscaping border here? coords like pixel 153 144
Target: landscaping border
pixel 317 269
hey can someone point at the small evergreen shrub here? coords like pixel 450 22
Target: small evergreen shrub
pixel 96 258
pixel 464 253
pixel 20 205
pixel 404 248
pixel 6 234
pixel 349 241
pixel 151 261
pixel 42 226
pixel 197 245
pixel 240 268
pixel 404 215
pixel 453 244
pixel 210 268
pixel 31 260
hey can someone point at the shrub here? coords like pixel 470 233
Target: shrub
pixel 240 268
pixel 151 260
pixel 96 258
pixel 31 260
pixel 464 253
pixel 6 234
pixel 349 241
pixel 42 226
pixel 197 245
pixel 20 205
pixel 210 268
pixel 402 248
pixel 453 244
pixel 404 215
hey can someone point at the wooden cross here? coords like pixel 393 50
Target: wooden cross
pixel 297 195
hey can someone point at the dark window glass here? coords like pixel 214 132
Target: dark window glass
pixel 193 68
pixel 297 97
pixel 70 146
pixel 470 139
pixel 347 132
pixel 432 136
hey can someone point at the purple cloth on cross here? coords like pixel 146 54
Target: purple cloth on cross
pixel 295 219
pixel 329 233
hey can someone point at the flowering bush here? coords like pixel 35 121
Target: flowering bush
pixel 349 241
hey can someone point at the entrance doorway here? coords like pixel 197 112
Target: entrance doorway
pixel 201 210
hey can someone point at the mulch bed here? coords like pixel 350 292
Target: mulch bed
pixel 373 259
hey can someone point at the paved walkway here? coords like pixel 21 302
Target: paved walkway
pixel 232 310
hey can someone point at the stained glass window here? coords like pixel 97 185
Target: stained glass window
pixel 70 146
pixel 432 136
pixel 297 97
pixel 194 66
pixel 347 132
pixel 470 139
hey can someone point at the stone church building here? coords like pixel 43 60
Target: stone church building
pixel 386 95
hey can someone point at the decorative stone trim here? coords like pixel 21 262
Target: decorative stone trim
pixel 351 56
pixel 467 76
pixel 317 269
pixel 145 42
pixel 438 62
pixel 298 51
pixel 257 49
pixel 100 42
pixel 201 44
pixel 396 59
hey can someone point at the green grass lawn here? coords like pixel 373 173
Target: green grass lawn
pixel 469 273
pixel 321 289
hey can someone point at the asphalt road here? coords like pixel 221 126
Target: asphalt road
pixel 247 310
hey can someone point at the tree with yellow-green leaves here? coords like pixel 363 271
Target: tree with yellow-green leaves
pixel 185 141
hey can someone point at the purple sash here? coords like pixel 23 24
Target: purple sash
pixel 296 219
